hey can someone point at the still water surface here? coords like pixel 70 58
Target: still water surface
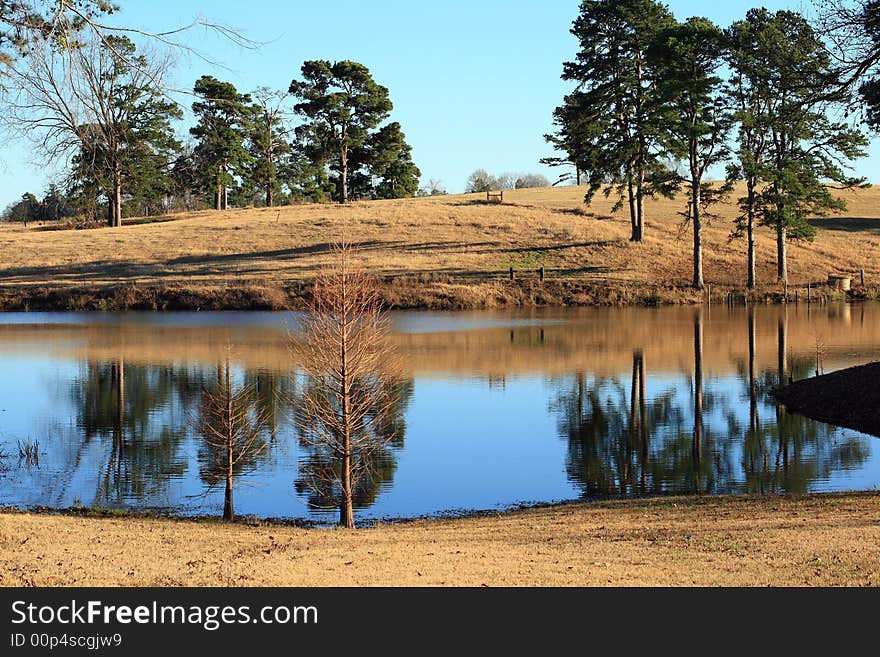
pixel 497 408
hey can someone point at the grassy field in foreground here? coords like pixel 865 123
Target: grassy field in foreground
pixel 450 244
pixel 831 539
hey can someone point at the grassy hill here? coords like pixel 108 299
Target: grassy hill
pixel 441 252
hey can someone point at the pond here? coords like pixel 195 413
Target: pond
pixel 497 409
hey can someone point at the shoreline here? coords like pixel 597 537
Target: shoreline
pixel 847 398
pixel 828 539
pixel 402 293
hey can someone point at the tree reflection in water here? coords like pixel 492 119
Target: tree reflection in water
pixel 318 479
pixel 137 409
pixel 623 445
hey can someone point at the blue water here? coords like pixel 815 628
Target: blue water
pixel 480 432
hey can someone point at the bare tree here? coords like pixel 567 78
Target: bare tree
pixel 231 423
pixel 350 370
pixel 64 23
pixel 84 102
pixel 269 137
pixel 434 187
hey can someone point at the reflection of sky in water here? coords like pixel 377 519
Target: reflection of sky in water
pixel 403 322
pixel 471 442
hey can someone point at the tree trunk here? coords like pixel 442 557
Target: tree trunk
pixel 781 253
pixel 644 437
pixel 270 182
pixel 698 236
pixel 228 510
pixel 782 350
pixel 228 506
pixel 218 193
pixel 117 195
pixel 577 174
pixel 750 228
pixel 346 512
pixel 640 206
pixel 635 236
pixel 120 400
pixel 343 169
pixel 753 385
pixel 634 394
pixel 698 387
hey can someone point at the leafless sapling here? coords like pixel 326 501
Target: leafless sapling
pixel 350 371
pixel 230 422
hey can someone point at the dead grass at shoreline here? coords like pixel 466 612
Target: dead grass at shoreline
pixel 828 540
pixel 442 253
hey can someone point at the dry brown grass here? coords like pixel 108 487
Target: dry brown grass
pixel 453 240
pixel 828 540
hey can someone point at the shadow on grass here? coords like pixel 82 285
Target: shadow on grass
pixel 848 224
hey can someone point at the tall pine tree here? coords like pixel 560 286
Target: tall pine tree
pixel 223 116
pixel 685 61
pixel 789 68
pixel 390 163
pixel 611 126
pixel 343 104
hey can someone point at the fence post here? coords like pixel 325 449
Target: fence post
pixel 809 293
pixel 541 274
pixel 862 274
pixel 511 273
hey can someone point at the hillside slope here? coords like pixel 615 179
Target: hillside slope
pixel 455 249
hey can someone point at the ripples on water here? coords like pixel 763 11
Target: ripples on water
pixel 497 408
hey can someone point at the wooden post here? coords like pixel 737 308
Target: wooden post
pixel 502 196
pixel 797 296
pixel 511 273
pixel 809 293
pixel 541 274
pixel 709 294
pixel 862 274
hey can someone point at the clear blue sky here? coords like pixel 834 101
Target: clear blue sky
pixel 474 82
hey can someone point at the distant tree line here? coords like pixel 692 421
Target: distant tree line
pixel 53 206
pixel 101 106
pixel 482 181
pixel 658 103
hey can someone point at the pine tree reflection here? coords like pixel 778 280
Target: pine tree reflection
pixel 132 407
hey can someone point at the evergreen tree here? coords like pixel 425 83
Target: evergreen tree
pixel 24 210
pixel 220 154
pixel 685 60
pixel 343 104
pixel 791 70
pixel 306 169
pixel 54 205
pixel 186 180
pixel 751 116
pixel 611 126
pixel 390 161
